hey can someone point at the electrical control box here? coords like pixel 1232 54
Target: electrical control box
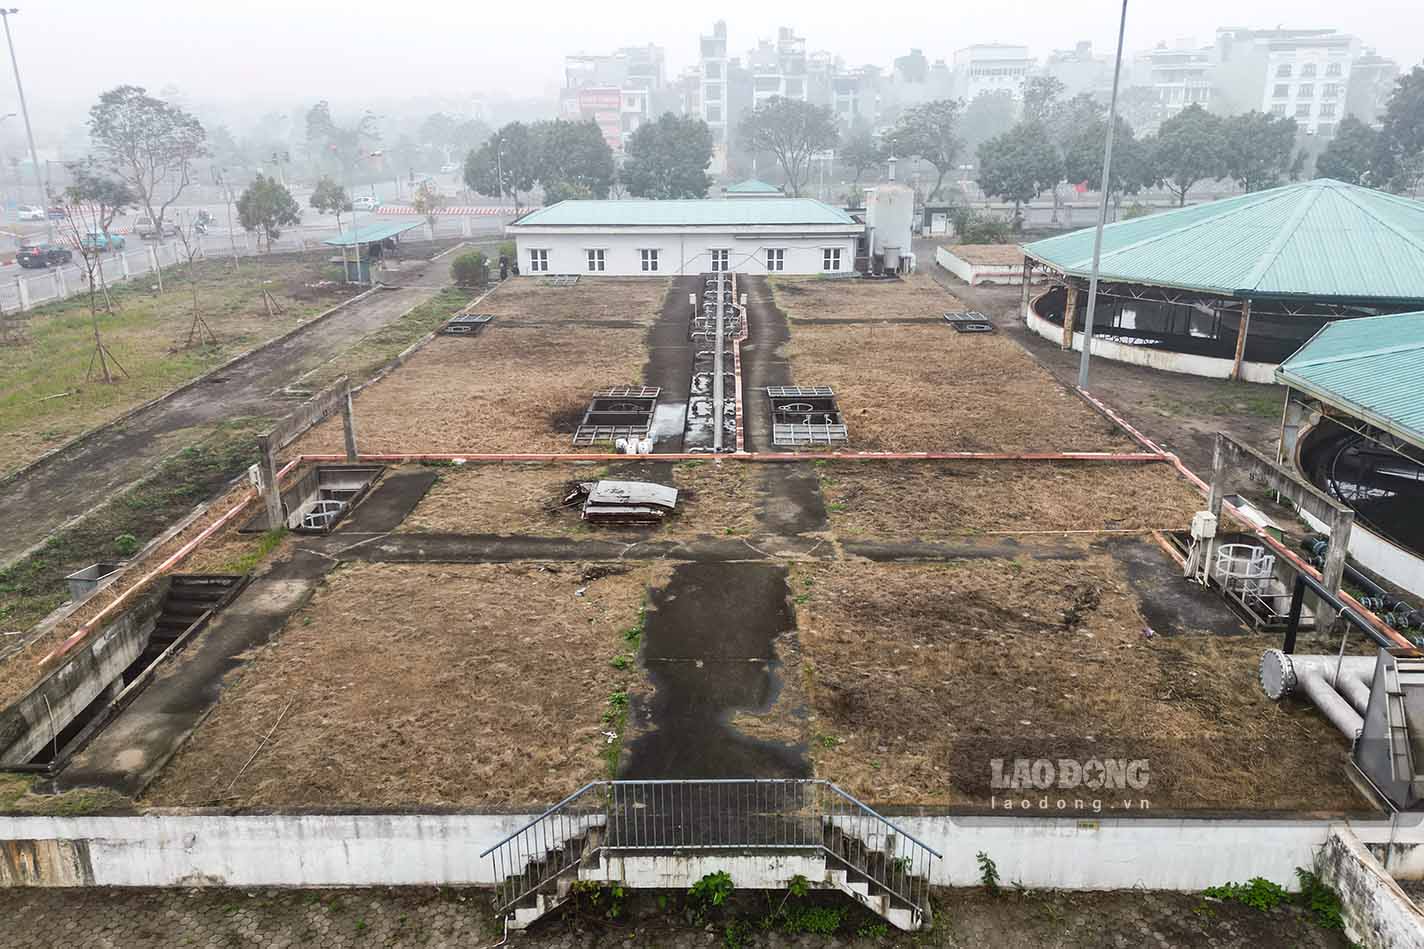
pixel 1203 525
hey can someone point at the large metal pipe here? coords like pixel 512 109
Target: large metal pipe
pixel 1342 701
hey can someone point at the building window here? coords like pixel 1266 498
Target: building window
pixel 775 258
pixel 650 260
pixel 1307 90
pixel 1325 129
pixel 595 260
pixel 539 260
pixel 1332 69
pixel 720 258
pixel 1307 71
pixel 1302 110
pixel 1283 71
pixel 631 102
pixel 1327 110
pixel 1282 92
pixel 831 258
pixel 714 112
pixel 714 71
pixel 1331 90
pixel 1278 109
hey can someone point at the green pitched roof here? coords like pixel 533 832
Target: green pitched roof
pixel 1319 239
pixel 752 186
pixel 371 233
pixel 1371 366
pixel 696 212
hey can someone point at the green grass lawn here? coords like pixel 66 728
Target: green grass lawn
pixel 46 393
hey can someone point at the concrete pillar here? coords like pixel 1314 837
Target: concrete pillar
pixel 1202 554
pixel 22 291
pixel 1070 316
pixel 465 229
pixel 1241 340
pixel 152 260
pixel 430 230
pixel 124 272
pixel 271 493
pixel 1332 573
pixel 348 424
pixel 1027 281
pixel 60 290
pixel 1293 419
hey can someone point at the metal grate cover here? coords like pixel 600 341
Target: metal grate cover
pixel 788 434
pixel 617 412
pixel 466 324
pixel 562 280
pixel 969 321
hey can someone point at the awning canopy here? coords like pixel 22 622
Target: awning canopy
pixel 372 233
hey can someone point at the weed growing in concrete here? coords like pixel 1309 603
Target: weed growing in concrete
pixel 266 543
pixel 988 873
pixel 591 898
pixel 634 634
pixel 1257 893
pixel 813 920
pixel 126 545
pixel 873 931
pixel 615 718
pixel 1320 899
pixel 710 891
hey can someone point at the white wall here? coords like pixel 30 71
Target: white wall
pixel 681 253
pixel 975 274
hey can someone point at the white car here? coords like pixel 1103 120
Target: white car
pixel 449 168
pixel 365 202
pixel 28 212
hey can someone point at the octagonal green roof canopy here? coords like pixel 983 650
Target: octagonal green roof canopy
pixel 1320 239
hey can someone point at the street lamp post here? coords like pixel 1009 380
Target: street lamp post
pixel 1102 210
pixel 5 13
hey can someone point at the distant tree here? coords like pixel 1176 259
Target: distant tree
pixel 452 135
pixel 987 114
pixel 1189 148
pixel 1065 123
pixel 573 153
pixel 149 144
pixel 791 130
pixel 1018 165
pixel 108 196
pixel 556 191
pixel 1258 149
pixel 330 198
pixel 340 145
pixel 1132 166
pixel 266 207
pixel 505 164
pixel 1137 105
pixel 1040 96
pixel 427 201
pixel 1400 150
pixel 930 132
pixel 668 158
pixel 81 218
pixel 860 151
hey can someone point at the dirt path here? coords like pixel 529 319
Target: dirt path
pixel 70 482
pixel 1180 412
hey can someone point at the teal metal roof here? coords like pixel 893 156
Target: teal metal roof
pixel 752 186
pixel 371 233
pixel 1371 366
pixel 1318 239
pixel 690 212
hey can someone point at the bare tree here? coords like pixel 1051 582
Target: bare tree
pixel 192 249
pixel 82 218
pixel 106 198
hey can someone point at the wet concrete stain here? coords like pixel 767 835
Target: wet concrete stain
pixel 764 361
pixel 670 355
pixel 390 503
pixel 709 648
pixel 791 500
pixel 1169 604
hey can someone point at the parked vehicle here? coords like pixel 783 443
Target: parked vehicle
pixel 56 213
pixel 365 202
pixel 146 229
pixel 449 168
pixel 98 240
pixel 43 255
pixel 28 212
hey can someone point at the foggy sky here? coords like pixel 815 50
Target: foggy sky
pixel 245 54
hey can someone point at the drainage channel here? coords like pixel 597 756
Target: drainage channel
pixel 711 424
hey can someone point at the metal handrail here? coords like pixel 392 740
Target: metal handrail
pixel 739 814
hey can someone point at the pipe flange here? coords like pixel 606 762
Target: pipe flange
pixel 1277 674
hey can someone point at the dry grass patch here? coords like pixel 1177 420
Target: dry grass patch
pixel 925 499
pixel 471 685
pixel 909 387
pixel 520 386
pixel 919 675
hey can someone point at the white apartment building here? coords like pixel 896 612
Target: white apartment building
pixel 779 69
pixel 1307 79
pixel 989 67
pixel 713 100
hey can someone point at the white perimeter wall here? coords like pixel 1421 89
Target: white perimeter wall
pixel 681 253
pixel 974 274
pixel 361 850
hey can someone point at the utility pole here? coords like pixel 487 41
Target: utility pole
pixel 25 112
pixel 1102 211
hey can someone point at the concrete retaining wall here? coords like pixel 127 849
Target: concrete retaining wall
pixel 1378 914
pixel 369 850
pixel 974 274
pixel 33 721
pixel 1211 367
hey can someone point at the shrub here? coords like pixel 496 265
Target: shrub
pixel 988 873
pixel 470 269
pixel 1257 892
pixel 126 545
pixel 971 227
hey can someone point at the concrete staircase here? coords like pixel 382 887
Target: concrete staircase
pixel 191 600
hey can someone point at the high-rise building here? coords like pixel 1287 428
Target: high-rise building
pixel 1303 74
pixel 1081 71
pixel 989 67
pixel 1180 75
pixel 712 103
pixel 778 69
pixel 617 90
pixel 1372 79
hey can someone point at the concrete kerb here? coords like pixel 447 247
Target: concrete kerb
pixel 86 436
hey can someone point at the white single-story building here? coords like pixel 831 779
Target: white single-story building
pixel 641 238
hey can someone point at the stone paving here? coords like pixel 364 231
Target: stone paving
pixel 427 917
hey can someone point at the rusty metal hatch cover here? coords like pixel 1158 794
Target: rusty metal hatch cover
pixel 969 321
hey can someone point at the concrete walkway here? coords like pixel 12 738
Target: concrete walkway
pixel 70 482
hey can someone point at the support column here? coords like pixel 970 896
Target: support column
pixel 22 290
pixel 1024 296
pixel 1332 573
pixel 465 229
pixel 124 272
pixel 271 493
pixel 1293 419
pixel 60 290
pixel 1203 553
pixel 348 423
pixel 152 260
pixel 1070 316
pixel 1241 340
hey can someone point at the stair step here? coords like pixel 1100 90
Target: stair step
pixel 902 919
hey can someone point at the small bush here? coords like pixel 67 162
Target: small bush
pixel 971 227
pixel 1257 892
pixel 712 890
pixel 1320 899
pixel 988 873
pixel 470 269
pixel 126 545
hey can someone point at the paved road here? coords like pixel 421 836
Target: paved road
pixel 73 481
